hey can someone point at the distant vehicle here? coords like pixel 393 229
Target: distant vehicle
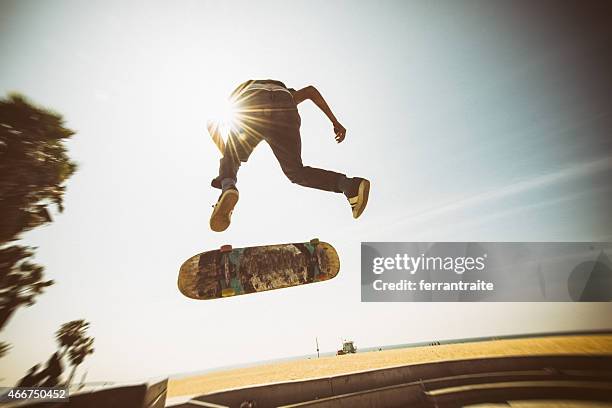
pixel 347 348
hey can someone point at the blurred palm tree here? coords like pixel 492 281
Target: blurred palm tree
pixel 69 334
pixel 77 354
pixel 34 168
pixel 74 343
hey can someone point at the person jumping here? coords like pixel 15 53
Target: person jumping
pixel 267 110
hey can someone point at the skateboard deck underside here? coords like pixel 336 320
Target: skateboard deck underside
pixel 216 274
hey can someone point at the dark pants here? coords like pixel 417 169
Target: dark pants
pixel 272 116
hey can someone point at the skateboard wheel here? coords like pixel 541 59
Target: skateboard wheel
pixel 314 241
pixel 225 248
pixel 322 277
pixel 227 292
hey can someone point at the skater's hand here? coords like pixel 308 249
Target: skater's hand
pixel 340 132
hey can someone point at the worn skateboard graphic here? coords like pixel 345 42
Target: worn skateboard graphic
pixel 238 271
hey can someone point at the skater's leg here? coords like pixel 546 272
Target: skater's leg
pixel 237 149
pixel 286 145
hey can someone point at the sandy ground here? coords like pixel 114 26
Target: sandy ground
pixel 329 366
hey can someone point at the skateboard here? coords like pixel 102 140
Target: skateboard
pixel 228 271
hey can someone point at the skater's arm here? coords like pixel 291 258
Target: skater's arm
pixel 310 92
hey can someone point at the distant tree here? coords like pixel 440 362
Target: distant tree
pixel 52 372
pixel 34 166
pixel 70 334
pixel 31 377
pixel 74 342
pixel 77 354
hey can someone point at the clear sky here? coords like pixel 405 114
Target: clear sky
pixel 475 121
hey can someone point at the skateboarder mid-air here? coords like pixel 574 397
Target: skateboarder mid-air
pixel 267 110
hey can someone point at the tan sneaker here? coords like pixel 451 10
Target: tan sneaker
pixel 222 213
pixel 358 195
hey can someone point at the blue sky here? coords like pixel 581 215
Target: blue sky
pixel 471 123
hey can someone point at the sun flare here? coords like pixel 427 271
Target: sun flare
pixel 224 118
